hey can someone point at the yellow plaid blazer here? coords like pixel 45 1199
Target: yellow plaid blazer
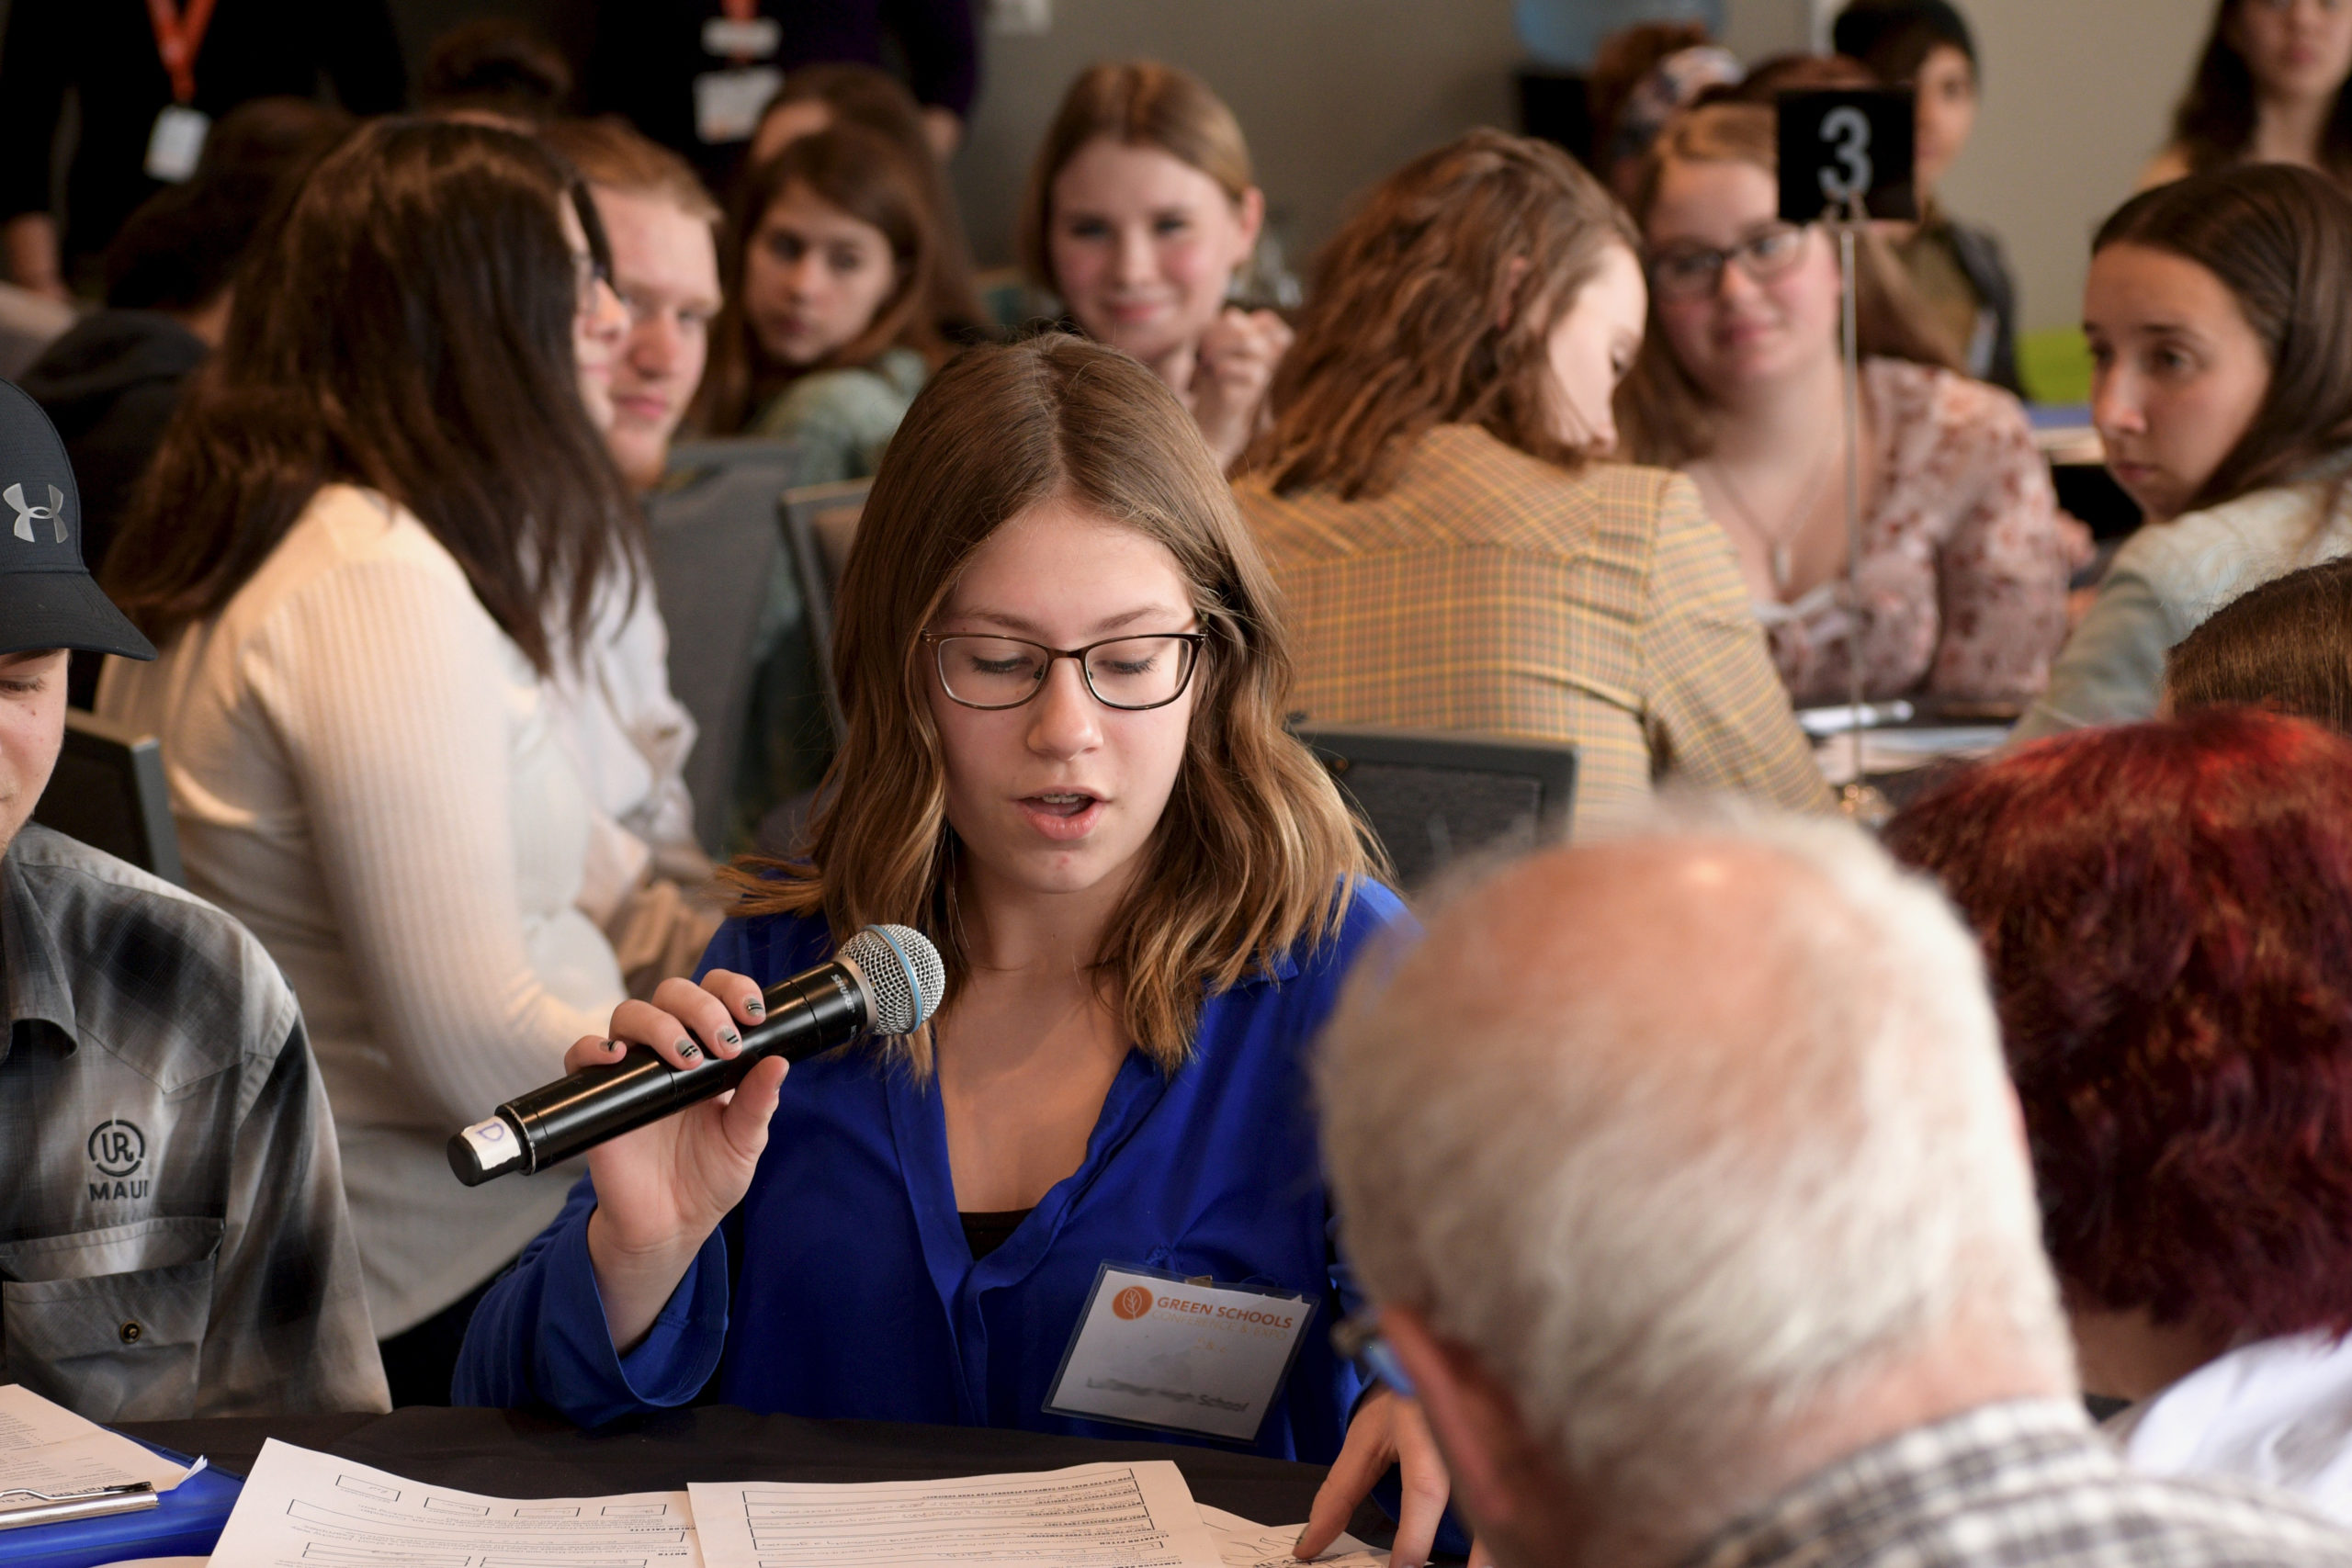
pixel 1490 591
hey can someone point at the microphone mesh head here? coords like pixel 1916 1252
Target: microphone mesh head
pixel 904 977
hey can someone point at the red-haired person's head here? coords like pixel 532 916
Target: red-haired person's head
pixel 2166 915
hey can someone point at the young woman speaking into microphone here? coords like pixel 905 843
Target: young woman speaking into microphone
pixel 1064 674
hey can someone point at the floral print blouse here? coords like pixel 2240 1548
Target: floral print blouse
pixel 1963 570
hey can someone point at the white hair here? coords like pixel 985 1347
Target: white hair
pixel 1668 1215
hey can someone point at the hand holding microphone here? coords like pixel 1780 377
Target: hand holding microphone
pixel 887 979
pixel 670 1157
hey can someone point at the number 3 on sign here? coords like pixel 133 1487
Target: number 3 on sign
pixel 1845 130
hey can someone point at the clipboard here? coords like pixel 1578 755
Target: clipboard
pixel 184 1522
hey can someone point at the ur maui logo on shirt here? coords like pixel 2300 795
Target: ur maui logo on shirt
pixel 118 1150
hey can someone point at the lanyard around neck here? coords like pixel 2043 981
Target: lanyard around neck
pixel 178 35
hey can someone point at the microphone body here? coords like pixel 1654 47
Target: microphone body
pixel 808 1014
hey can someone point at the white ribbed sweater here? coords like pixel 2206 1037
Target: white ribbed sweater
pixel 363 771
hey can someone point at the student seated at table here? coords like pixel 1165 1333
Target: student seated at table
pixel 2218 309
pixel 1140 213
pixel 827 336
pixel 2166 916
pixel 379 525
pixel 1066 672
pixel 176 1239
pixel 2268 89
pixel 1957 270
pixel 1430 497
pixel 627 732
pixel 2285 646
pixel 1963 567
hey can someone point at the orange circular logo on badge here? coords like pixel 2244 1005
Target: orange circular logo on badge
pixel 1131 1303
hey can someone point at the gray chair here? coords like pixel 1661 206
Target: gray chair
pixel 108 791
pixel 716 554
pixel 820 521
pixel 1431 797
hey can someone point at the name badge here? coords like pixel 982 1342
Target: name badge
pixel 177 143
pixel 755 38
pixel 1179 1354
pixel 728 103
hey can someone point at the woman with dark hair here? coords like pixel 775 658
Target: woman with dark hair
pixel 380 525
pixel 2218 309
pixel 846 93
pixel 2286 645
pixel 2268 89
pixel 1064 672
pixel 2167 918
pixel 1453 554
pixel 827 332
pixel 1962 576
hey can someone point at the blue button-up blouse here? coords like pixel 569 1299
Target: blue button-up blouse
pixel 852 1292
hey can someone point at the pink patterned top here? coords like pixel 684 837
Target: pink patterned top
pixel 1963 571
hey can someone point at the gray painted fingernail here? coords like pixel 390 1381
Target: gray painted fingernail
pixel 757 1007
pixel 688 1050
pixel 731 1037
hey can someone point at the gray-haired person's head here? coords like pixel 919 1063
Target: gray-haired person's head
pixel 1684 1138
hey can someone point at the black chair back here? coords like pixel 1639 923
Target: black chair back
pixel 1431 797
pixel 108 791
pixel 716 555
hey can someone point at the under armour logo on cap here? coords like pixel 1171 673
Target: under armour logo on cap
pixel 53 513
pixel 47 599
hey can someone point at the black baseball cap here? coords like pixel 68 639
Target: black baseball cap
pixel 48 598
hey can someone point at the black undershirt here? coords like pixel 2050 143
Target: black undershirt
pixel 984 1233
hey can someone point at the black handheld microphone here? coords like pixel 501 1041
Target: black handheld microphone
pixel 887 979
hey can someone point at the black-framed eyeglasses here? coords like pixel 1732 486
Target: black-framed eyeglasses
pixel 1358 1338
pixel 1690 272
pixel 1130 673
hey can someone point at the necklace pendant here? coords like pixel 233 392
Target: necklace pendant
pixel 1782 567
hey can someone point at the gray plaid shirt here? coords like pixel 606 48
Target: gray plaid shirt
pixel 2027 1484
pixel 172 1236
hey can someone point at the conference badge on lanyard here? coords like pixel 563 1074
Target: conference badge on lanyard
pixel 178 138
pixel 728 101
pixel 1176 1355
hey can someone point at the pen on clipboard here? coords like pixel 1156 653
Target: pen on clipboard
pixel 23 1506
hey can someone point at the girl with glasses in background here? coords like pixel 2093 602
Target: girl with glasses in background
pixel 1064 671
pixel 1964 565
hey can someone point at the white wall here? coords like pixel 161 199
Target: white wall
pixel 1332 94
pixel 2078 95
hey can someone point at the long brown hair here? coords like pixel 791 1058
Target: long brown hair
pixel 408 327
pixel 1432 306
pixel 1662 414
pixel 853 94
pixel 1255 849
pixel 2279 239
pixel 2214 125
pixel 867 175
pixel 1137 102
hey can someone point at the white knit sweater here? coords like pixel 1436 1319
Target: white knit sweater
pixel 363 771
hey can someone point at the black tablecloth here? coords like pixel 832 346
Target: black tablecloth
pixel 508 1453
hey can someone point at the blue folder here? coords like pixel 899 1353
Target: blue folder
pixel 186 1523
